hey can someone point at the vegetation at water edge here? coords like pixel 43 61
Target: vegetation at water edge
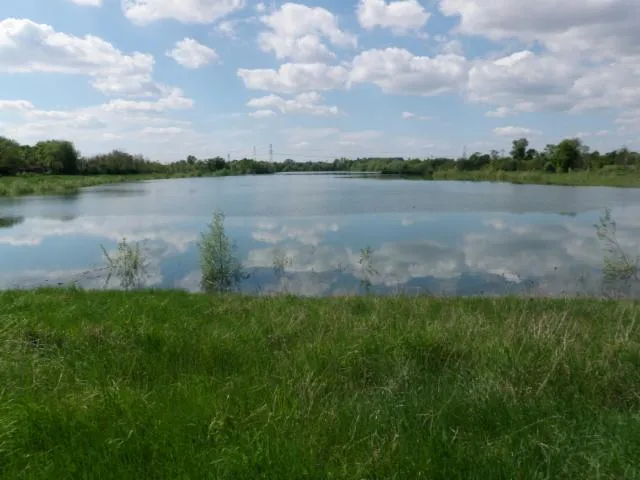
pixel 176 385
pixel 63 184
pixel 570 162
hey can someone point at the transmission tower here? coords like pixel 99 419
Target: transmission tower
pixel 254 153
pixel 270 153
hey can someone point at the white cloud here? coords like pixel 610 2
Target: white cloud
pixel 589 56
pixel 87 3
pixel 262 114
pixel 629 122
pixel 173 100
pixel 303 103
pixel 603 27
pixel 523 80
pixel 396 70
pixel 528 82
pixel 161 131
pixel 599 133
pixel 297 31
pixel 514 131
pixel 109 122
pixel 27 46
pixel 143 12
pixel 413 116
pixel 15 105
pixel 295 77
pixel 499 112
pixel 227 28
pixel 191 54
pixel 400 16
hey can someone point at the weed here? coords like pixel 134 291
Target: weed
pixel 222 270
pixel 128 264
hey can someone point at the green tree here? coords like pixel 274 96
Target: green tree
pixel 10 156
pixel 568 154
pixel 57 156
pixel 519 149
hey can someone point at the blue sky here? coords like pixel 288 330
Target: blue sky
pixel 319 79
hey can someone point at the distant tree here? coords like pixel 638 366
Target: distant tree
pixel 10 156
pixel 57 156
pixel 568 154
pixel 519 149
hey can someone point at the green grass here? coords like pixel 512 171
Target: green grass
pixel 69 185
pixel 604 177
pixel 170 385
pixel 64 184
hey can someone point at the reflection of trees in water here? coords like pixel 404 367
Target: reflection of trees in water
pixel 8 222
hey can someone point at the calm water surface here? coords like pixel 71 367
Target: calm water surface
pixel 443 237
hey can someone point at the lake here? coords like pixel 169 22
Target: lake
pixel 455 238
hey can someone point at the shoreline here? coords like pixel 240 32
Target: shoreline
pixel 48 185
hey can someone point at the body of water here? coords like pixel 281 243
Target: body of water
pixel 455 238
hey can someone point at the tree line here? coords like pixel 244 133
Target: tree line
pixel 60 157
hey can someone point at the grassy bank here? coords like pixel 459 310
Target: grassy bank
pixel 64 184
pixel 171 385
pixel 604 178
pixel 67 184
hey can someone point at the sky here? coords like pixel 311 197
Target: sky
pixel 319 79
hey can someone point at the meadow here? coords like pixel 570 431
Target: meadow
pixel 166 384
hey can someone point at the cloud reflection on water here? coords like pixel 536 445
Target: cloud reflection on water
pixel 498 253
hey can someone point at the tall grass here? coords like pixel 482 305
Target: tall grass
pixel 607 178
pixel 171 385
pixel 64 184
pixel 128 264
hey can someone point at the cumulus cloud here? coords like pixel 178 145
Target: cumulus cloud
pixel 191 54
pixel 400 16
pixel 308 103
pixel 16 105
pixel 87 3
pixel 529 82
pixel 511 131
pixel 523 79
pixel 602 27
pixel 143 12
pixel 109 122
pixel 296 32
pixel 161 131
pixel 396 70
pixel 499 112
pixel 173 100
pixel 27 46
pixel 295 77
pixel 264 113
pixel 413 116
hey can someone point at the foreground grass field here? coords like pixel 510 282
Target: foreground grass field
pixel 177 386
